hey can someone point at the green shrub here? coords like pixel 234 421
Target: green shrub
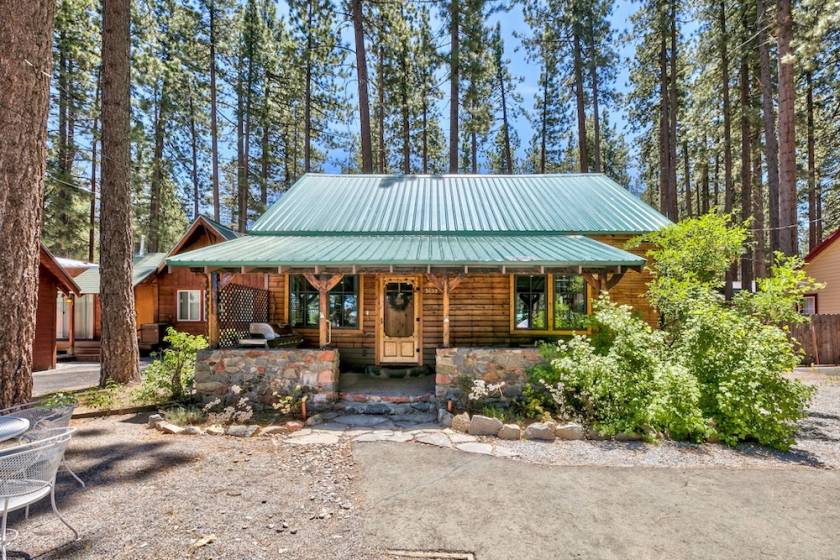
pixel 61 399
pixel 185 415
pixel 101 398
pixel 171 375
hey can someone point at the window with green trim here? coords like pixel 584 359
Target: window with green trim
pixel 344 303
pixel 304 303
pixel 570 305
pixel 530 302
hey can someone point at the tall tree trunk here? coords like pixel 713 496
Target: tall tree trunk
pixel 424 152
pixel 240 148
pixel 768 116
pixel 194 156
pixel 245 186
pixel 760 256
pixel 507 157
pixel 704 177
pixel 25 36
pixel 666 205
pixel 307 95
pixel 62 103
pixel 544 122
pixel 813 226
pixel 72 112
pixel 362 81
pixel 454 79
pixel 717 180
pixel 214 128
pixel 689 210
pixel 94 141
pixel 583 148
pixel 380 113
pixel 788 233
pixel 265 148
pixel 596 117
pixel 729 190
pixel 746 170
pixel 474 152
pixel 161 117
pixel 119 335
pixel 404 109
pixel 672 109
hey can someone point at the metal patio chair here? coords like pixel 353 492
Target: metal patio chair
pixel 43 417
pixel 27 475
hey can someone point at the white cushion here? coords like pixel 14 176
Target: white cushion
pixel 264 329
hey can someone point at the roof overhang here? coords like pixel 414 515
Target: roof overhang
pixel 389 253
pixel 65 282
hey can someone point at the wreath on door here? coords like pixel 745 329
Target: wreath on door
pixel 399 300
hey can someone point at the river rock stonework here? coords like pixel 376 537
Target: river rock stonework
pixel 261 372
pixel 493 365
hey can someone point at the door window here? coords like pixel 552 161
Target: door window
pixel 399 309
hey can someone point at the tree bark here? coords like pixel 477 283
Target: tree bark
pixel 362 81
pixel 768 115
pixel 265 147
pixel 380 113
pixel 454 78
pixel 746 171
pixel 404 109
pixel 689 210
pixel 214 127
pixel 25 69
pixel 119 337
pixel 666 205
pixel 596 117
pixel 307 95
pixel 544 122
pixel 161 115
pixel 94 141
pixel 813 226
pixel 672 110
pixel 507 157
pixel 788 233
pixel 760 256
pixel 583 149
pixel 194 157
pixel 729 191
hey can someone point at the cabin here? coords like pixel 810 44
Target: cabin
pixel 54 285
pixel 823 265
pixel 455 274
pixel 162 296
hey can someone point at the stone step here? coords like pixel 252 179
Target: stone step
pixel 385 408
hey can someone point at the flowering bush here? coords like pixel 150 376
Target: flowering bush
pixel 171 375
pixel 238 413
pixel 288 402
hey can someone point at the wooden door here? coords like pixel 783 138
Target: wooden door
pixel 400 326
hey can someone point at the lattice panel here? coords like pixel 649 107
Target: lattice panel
pixel 239 306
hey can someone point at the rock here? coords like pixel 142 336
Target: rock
pixel 510 431
pixel 458 437
pixel 445 417
pixel 365 420
pixel 543 431
pixel 154 420
pixel 168 428
pixel 433 438
pixel 570 431
pixel 314 438
pixel 215 430
pixel 273 430
pixel 191 431
pixel 241 430
pixel 314 420
pixel 484 425
pixel 461 422
pixel 398 437
pixel 628 436
pixel 504 452
pixel 294 425
pixel 476 447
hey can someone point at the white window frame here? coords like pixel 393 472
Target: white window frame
pixel 812 297
pixel 178 314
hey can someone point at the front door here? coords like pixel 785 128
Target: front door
pixel 399 324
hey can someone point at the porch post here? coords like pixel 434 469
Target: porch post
pixel 323 285
pixel 72 334
pixel 212 311
pixel 444 285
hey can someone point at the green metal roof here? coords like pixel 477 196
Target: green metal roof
pixel 223 230
pixel 404 250
pixel 458 204
pixel 145 266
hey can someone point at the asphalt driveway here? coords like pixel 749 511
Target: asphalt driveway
pixel 419 497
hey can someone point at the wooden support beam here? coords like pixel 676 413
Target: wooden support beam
pixel 212 310
pixel 323 285
pixel 72 333
pixel 445 284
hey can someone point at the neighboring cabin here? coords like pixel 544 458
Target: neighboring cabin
pixel 823 265
pixel 54 285
pixel 389 268
pixel 162 297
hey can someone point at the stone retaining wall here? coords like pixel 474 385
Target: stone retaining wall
pixel 261 372
pixel 493 365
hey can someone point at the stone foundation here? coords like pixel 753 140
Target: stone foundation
pixel 493 365
pixel 261 372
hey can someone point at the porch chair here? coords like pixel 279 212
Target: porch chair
pixel 41 417
pixel 27 475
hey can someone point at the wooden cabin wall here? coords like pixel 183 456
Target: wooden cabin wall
pixel 44 344
pixel 632 288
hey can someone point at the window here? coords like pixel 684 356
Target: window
pixel 570 306
pixel 189 305
pixel 809 304
pixel 398 310
pixel 530 304
pixel 562 297
pixel 344 303
pixel 304 303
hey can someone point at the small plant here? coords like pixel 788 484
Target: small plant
pixel 59 400
pixel 481 390
pixel 185 415
pixel 171 375
pixel 238 413
pixel 288 403
pixel 103 398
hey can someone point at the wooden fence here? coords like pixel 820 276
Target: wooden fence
pixel 820 339
pixel 239 306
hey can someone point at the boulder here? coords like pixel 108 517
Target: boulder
pixel 192 431
pixel 445 417
pixel 273 430
pixel 215 430
pixel 314 420
pixel 484 425
pixel 461 422
pixel 510 431
pixel 154 420
pixel 570 431
pixel 168 428
pixel 241 430
pixel 294 425
pixel 543 431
